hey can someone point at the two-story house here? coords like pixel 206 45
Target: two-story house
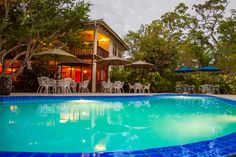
pixel 100 41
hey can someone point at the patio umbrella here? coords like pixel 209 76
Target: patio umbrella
pixel 208 69
pixel 184 70
pixel 140 64
pixel 55 54
pixel 112 60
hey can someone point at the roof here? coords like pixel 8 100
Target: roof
pixel 109 29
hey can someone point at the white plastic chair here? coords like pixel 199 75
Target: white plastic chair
pixel 67 84
pixel 146 87
pixel 121 85
pixel 106 86
pixel 216 89
pixel 83 86
pixel 44 84
pixel 118 87
pixel 40 84
pixel 73 86
pixel 138 88
pixel 131 87
pixel 191 88
pixel 51 84
pixel 61 86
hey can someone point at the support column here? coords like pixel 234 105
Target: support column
pixel 110 54
pixel 59 72
pixel 94 68
pixel 110 48
pixel 109 76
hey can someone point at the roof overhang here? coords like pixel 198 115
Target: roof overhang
pixel 103 24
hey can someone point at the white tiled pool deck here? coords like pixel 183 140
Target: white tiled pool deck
pixel 231 97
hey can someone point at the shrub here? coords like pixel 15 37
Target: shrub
pixel 27 81
pixel 226 82
pixel 137 75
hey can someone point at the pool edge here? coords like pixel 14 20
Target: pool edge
pixel 222 146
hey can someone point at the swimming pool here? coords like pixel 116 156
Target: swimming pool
pixel 118 124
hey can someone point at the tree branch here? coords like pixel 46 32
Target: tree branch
pixel 4 52
pixel 12 61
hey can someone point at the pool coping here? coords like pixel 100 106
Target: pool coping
pixel 222 146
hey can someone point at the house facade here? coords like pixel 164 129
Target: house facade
pixel 100 41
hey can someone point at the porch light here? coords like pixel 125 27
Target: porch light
pixel 103 40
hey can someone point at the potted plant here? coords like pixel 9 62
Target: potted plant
pixel 5 85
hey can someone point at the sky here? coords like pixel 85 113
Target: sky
pixel 125 15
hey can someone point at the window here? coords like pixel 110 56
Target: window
pixel 114 50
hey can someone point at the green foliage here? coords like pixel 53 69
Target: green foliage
pixel 167 82
pixel 181 38
pixel 193 40
pixel 137 75
pixel 226 82
pixel 231 83
pixel 153 43
pixel 27 81
pixel 226 56
pixel 27 26
pixel 118 74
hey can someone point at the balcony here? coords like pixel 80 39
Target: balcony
pixel 88 52
pixel 102 52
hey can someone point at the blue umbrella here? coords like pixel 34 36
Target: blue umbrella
pixel 208 69
pixel 184 70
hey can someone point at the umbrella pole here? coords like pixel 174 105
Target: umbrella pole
pixel 70 71
pixel 55 70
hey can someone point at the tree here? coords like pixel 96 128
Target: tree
pixel 226 47
pixel 153 43
pixel 210 14
pixel 199 31
pixel 182 25
pixel 28 25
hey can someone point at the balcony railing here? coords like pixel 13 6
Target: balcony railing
pixel 102 53
pixel 89 52
pixel 82 52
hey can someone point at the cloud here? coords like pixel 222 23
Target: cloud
pixel 124 15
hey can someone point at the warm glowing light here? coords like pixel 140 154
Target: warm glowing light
pixel 13 69
pixel 71 69
pixel 226 118
pixel 13 108
pixel 85 71
pixel 64 117
pixel 103 40
pixel 84 113
pixel 100 147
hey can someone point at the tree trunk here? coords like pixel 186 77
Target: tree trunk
pixel 5 85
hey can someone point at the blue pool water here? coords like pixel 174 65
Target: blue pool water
pixel 112 124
